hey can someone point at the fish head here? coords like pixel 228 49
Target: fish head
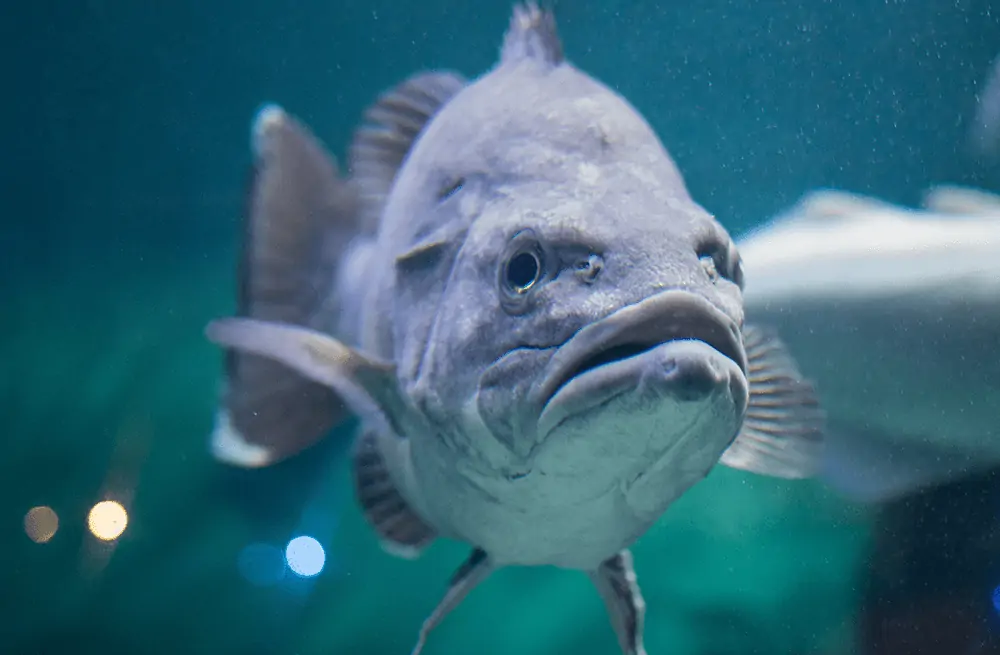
pixel 590 311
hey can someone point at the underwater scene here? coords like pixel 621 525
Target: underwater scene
pixel 560 328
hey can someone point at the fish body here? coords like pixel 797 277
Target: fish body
pixel 540 330
pixel 894 313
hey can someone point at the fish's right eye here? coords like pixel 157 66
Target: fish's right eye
pixel 522 270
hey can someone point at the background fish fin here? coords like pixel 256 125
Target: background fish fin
pixel 616 581
pixel 867 466
pixel 394 122
pixel 963 201
pixel 833 204
pixel 532 36
pixel 366 386
pixel 782 434
pixel 473 571
pixel 400 530
pixel 299 219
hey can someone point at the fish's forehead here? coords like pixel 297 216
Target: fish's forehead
pixel 557 124
pixel 602 218
pixel 549 145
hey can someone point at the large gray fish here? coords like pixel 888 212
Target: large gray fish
pixel 895 313
pixel 539 330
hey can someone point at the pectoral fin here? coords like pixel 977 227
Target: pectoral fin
pixel 782 434
pixel 475 569
pixel 367 385
pixel 616 582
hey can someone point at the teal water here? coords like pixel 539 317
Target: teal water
pixel 127 151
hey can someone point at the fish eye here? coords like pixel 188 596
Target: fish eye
pixel 717 260
pixel 523 271
pixel 737 275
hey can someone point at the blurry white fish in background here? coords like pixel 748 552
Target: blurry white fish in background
pixel 895 314
pixel 984 135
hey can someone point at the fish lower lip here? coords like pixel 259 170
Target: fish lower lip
pixel 636 329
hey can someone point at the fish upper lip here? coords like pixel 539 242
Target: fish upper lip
pixel 631 330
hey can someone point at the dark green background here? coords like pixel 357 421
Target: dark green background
pixel 126 139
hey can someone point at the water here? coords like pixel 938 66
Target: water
pixel 127 153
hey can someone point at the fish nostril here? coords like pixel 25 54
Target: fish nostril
pixel 588 268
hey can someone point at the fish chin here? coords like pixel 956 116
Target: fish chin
pixel 651 425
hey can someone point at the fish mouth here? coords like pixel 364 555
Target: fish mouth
pixel 636 329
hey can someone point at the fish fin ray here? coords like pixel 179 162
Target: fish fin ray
pixel 473 571
pixel 366 385
pixel 394 122
pixel 298 218
pixel 532 35
pixel 618 586
pixel 782 434
pixel 401 531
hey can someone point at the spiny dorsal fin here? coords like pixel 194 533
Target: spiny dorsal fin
pixel 782 433
pixel 394 122
pixel 532 35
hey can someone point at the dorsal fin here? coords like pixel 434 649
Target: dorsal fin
pixel 393 124
pixel 832 204
pixel 965 201
pixel 532 35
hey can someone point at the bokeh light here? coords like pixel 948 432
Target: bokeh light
pixel 305 556
pixel 262 564
pixel 996 599
pixel 107 520
pixel 41 524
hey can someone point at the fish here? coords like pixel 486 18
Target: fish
pixel 538 332
pixel 893 313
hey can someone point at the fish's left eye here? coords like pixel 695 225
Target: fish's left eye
pixel 737 273
pixel 721 260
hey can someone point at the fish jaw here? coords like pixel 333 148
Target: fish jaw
pixel 647 426
pixel 603 475
pixel 662 422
